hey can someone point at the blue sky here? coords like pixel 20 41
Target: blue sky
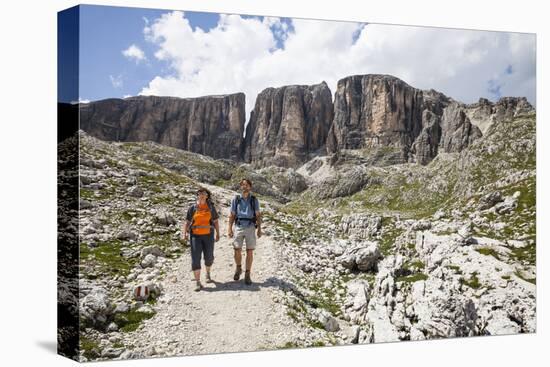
pixel 105 32
pixel 132 51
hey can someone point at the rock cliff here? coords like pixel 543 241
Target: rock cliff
pixel 288 124
pixel 211 125
pixel 373 111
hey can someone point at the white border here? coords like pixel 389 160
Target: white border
pixel 28 181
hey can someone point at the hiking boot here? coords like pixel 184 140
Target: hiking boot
pixel 198 285
pixel 209 278
pixel 247 279
pixel 238 273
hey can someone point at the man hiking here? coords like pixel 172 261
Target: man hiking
pixel 201 221
pixel 245 213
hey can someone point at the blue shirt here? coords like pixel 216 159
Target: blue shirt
pixel 244 210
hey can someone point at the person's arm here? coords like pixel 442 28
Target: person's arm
pixel 215 221
pixel 185 229
pixel 186 224
pixel 217 228
pixel 231 218
pixel 258 219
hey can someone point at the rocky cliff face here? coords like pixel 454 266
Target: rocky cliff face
pixel 288 124
pixel 210 125
pixel 375 110
pixel 383 111
pixel 484 113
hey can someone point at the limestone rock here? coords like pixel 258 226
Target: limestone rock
pixel 211 125
pixel 288 124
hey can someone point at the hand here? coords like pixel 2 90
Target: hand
pixel 183 236
pixel 259 232
pixel 217 238
pixel 230 233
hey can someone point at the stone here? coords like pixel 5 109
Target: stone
pixel 154 250
pixel 165 218
pixel 85 204
pixel 96 308
pixel 363 256
pixel 149 261
pixel 112 327
pixel 330 323
pixel 135 191
pixel 127 234
pixel 489 200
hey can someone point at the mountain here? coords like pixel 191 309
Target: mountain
pixel 211 125
pixel 288 125
pixel 374 111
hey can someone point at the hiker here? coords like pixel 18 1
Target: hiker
pixel 245 213
pixel 201 218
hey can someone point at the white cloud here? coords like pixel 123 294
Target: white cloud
pixel 240 55
pixel 80 101
pixel 116 81
pixel 134 53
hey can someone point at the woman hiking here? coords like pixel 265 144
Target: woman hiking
pixel 201 220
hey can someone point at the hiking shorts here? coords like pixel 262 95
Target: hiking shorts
pixel 202 244
pixel 247 235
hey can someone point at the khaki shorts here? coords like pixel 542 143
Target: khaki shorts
pixel 245 234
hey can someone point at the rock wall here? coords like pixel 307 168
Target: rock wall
pixel 210 125
pixel 373 111
pixel 288 124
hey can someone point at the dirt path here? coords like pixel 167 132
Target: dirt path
pixel 227 315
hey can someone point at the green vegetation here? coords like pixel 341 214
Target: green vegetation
pixel 412 278
pixel 287 345
pixel 473 282
pixel 530 280
pixel 526 255
pixel 455 268
pixel 488 252
pixel 90 347
pixel 130 321
pixel 107 258
pixel 388 236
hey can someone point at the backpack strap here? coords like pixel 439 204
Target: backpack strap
pixel 253 199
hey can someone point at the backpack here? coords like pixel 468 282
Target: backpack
pixel 194 209
pixel 253 201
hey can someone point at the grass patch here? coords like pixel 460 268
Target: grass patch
pixel 455 268
pixel 90 347
pixel 412 278
pixel 130 321
pixel 487 251
pixel 288 345
pixel 530 280
pixel 107 258
pixel 526 255
pixel 473 282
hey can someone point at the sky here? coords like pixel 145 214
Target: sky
pixel 133 51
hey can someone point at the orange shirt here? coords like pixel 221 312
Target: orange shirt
pixel 201 217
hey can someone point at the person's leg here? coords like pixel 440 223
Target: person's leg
pixel 208 255
pixel 196 252
pixel 250 246
pixel 237 246
pixel 249 258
